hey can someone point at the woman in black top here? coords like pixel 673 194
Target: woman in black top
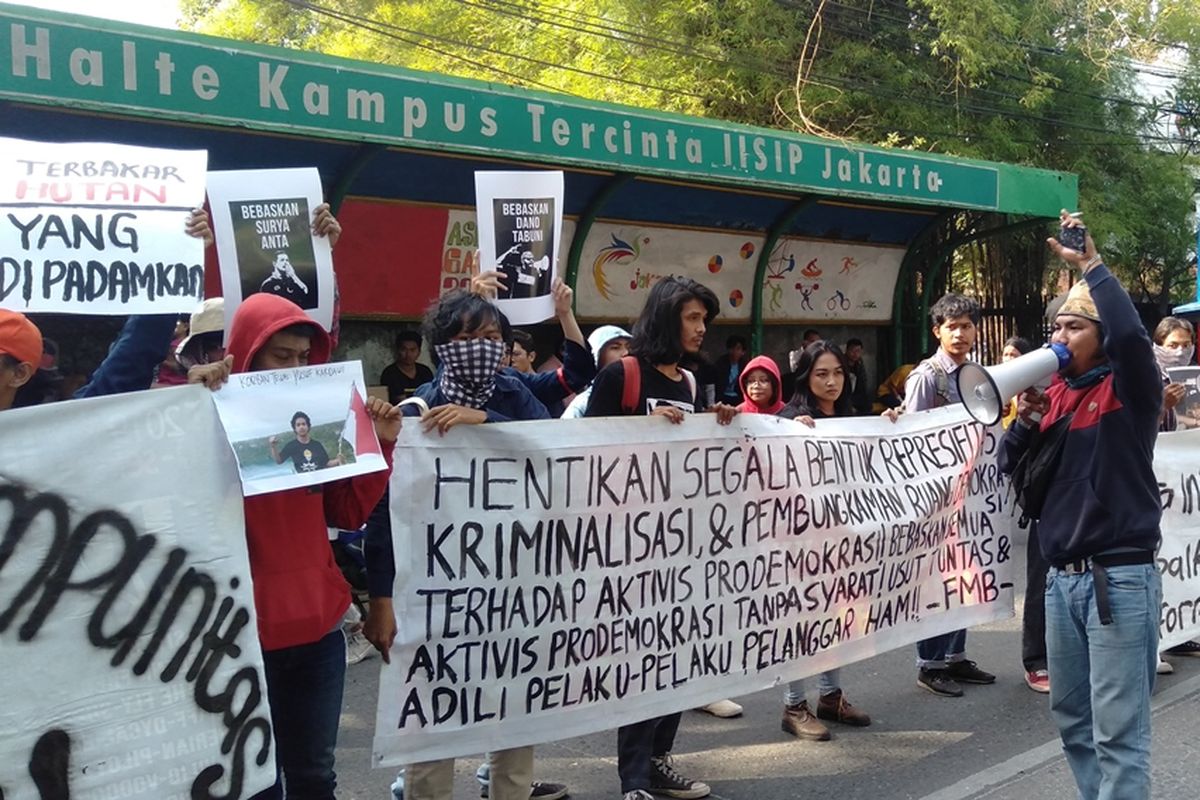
pixel 822 390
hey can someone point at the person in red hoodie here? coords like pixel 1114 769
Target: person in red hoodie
pixel 300 595
pixel 762 386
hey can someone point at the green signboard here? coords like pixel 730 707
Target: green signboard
pixel 67 60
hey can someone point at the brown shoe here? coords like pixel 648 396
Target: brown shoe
pixel 836 708
pixel 799 721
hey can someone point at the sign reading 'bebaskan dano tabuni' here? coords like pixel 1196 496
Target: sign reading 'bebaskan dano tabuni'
pixel 56 59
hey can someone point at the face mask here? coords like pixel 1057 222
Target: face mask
pixel 1174 357
pixel 468 370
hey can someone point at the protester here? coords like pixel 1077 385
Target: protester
pixel 299 593
pixel 822 392
pixel 523 352
pixel 1175 346
pixel 762 386
pixel 811 335
pixel 608 343
pixel 672 323
pixel 728 368
pixel 890 393
pixel 941 660
pixel 20 353
pixel 46 384
pixel 204 343
pixel 1098 527
pixel 1033 618
pixel 552 388
pixel 468 388
pixel 1014 347
pixel 860 396
pixel 405 375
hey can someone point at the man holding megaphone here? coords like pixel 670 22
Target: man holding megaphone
pixel 1081 458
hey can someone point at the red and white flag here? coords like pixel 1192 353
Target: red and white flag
pixel 359 431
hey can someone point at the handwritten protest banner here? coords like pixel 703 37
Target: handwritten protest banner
pixel 263 226
pixel 129 653
pixel 94 228
pixel 1178 469
pixel 556 579
pixel 299 427
pixel 520 216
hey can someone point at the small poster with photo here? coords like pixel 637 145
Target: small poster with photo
pixel 1187 412
pixel 263 227
pixel 299 427
pixel 520 227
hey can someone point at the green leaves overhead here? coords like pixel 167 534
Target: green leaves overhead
pixel 1050 83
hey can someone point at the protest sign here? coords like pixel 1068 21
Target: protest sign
pixel 1177 467
pixel 561 578
pixel 1187 411
pixel 96 228
pixel 129 653
pixel 299 427
pixel 263 225
pixel 520 227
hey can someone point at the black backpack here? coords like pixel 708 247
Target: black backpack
pixel 1035 471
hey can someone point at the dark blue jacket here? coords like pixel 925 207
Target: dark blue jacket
pixel 129 365
pixel 552 388
pixel 511 401
pixel 1104 494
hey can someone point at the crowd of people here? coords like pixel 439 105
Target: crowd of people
pixel 1091 611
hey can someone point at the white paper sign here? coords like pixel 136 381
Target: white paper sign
pixel 566 577
pixel 129 655
pixel 299 427
pixel 97 228
pixel 520 228
pixel 1177 466
pixel 263 225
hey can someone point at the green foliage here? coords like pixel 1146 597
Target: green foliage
pixel 1047 83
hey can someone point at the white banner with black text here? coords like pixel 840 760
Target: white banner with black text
pixel 129 654
pixel 561 578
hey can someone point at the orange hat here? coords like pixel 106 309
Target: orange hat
pixel 20 338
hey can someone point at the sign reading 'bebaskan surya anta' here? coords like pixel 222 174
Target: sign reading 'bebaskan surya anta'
pixel 57 59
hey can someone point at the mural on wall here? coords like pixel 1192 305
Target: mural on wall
pixel 805 279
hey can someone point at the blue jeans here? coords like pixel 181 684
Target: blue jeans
pixel 1101 677
pixel 828 682
pixel 938 651
pixel 304 685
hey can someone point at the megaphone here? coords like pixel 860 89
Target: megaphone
pixel 986 390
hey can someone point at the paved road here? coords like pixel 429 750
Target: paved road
pixel 996 743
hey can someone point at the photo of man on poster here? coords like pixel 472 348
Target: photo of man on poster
pixel 524 235
pixel 275 250
pixel 306 453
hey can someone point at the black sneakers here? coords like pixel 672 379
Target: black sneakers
pixel 665 780
pixel 1186 649
pixel 938 682
pixel 966 672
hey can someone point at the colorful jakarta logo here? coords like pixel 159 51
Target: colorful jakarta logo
pixel 618 252
pixel 736 298
pixel 715 263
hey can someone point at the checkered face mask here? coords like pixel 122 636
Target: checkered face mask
pixel 469 370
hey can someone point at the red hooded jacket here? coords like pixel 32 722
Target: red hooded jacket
pixel 747 406
pixel 299 592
